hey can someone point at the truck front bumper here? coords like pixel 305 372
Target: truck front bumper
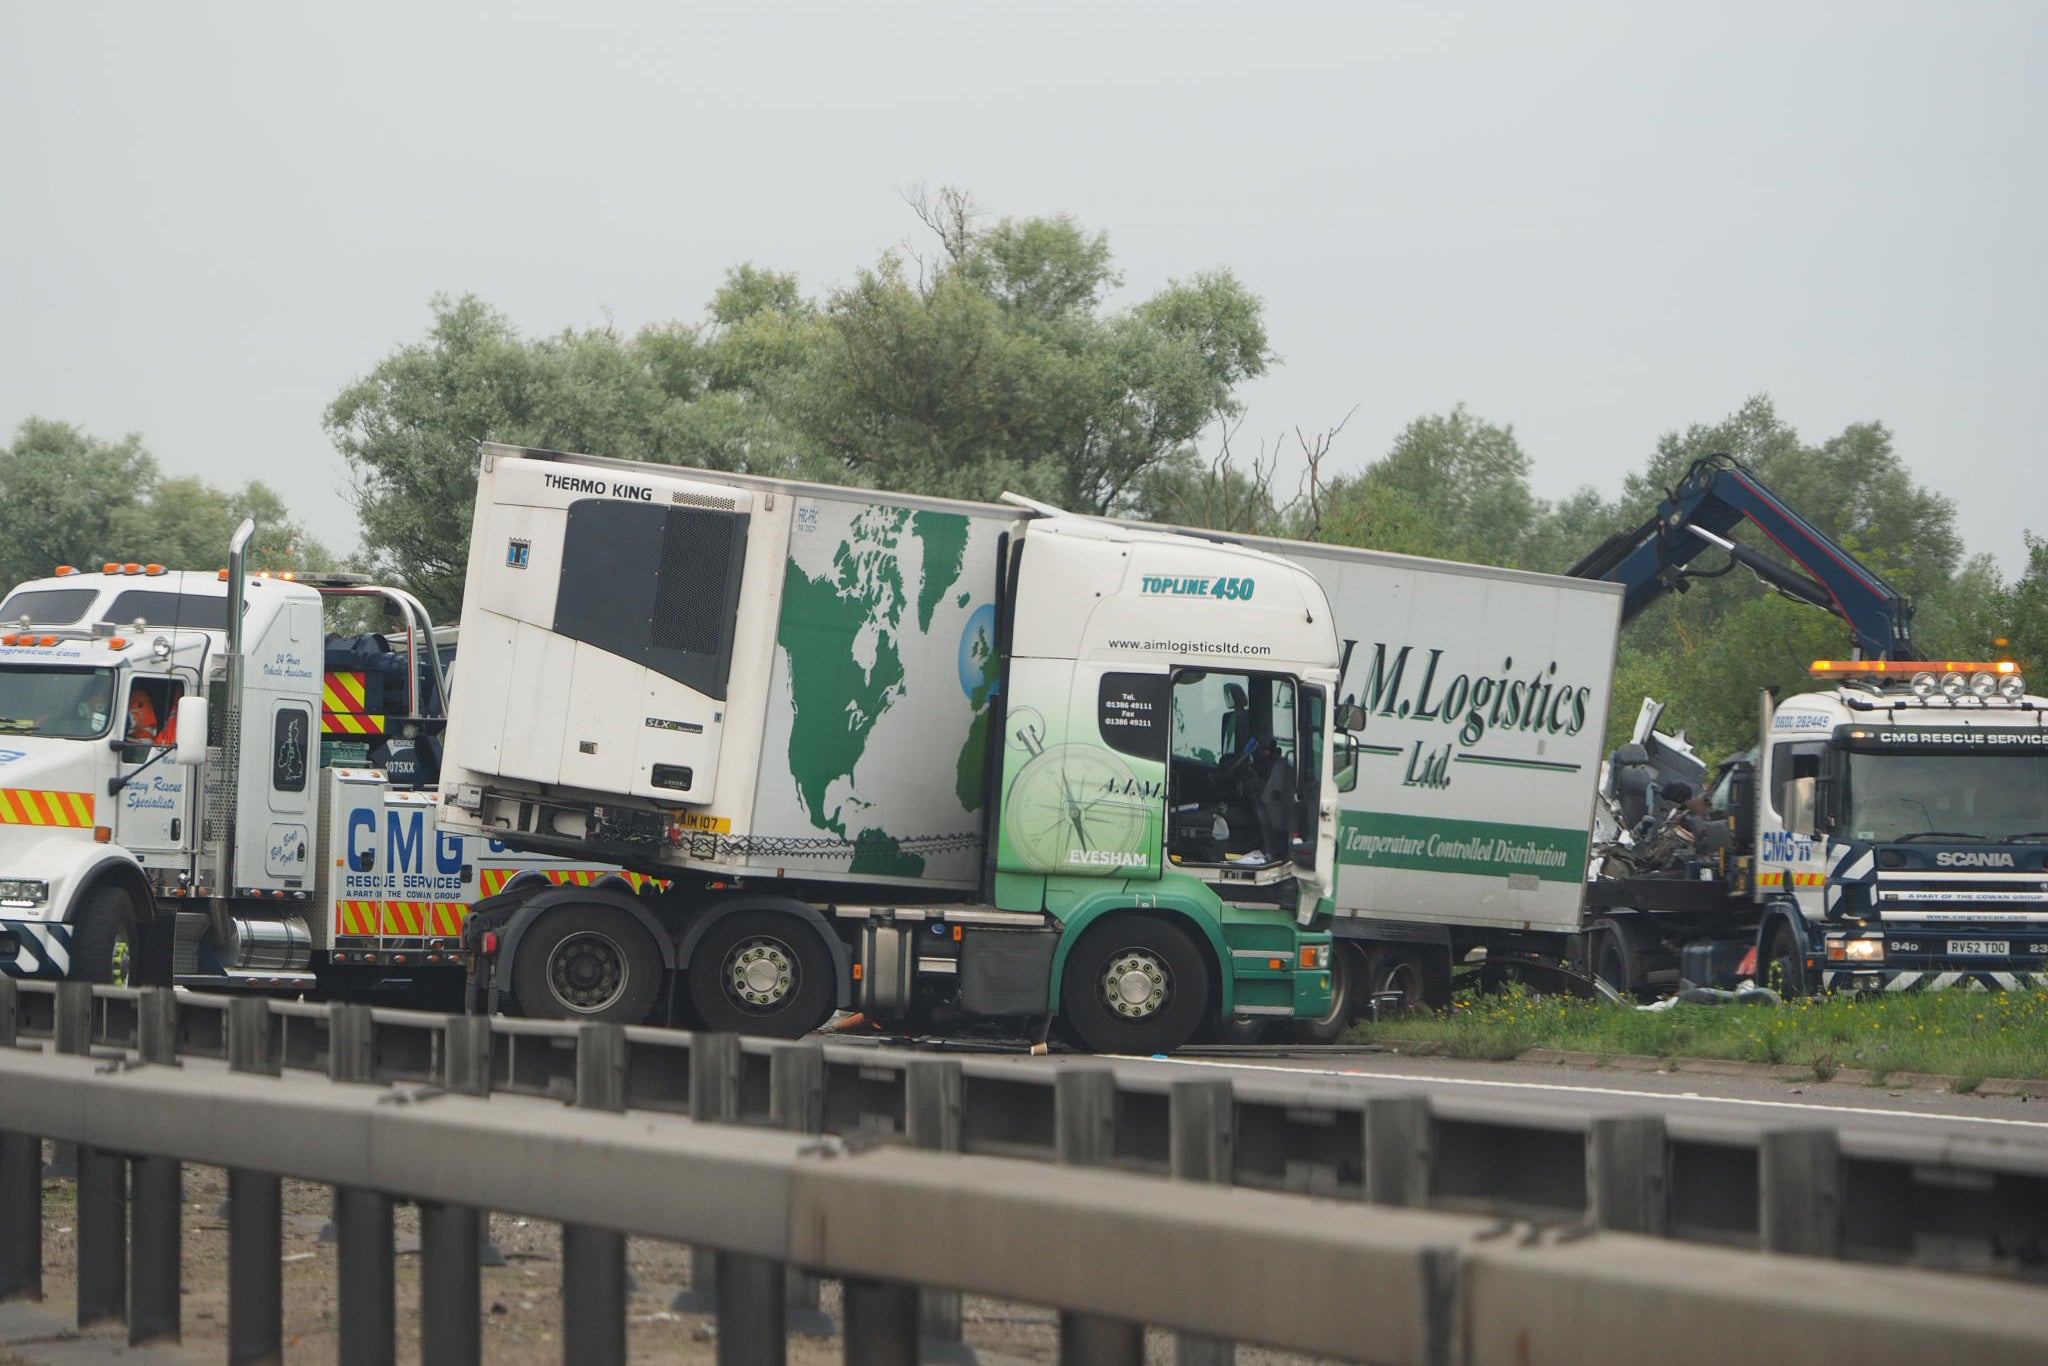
pixel 1292 983
pixel 1907 957
pixel 34 948
pixel 1937 977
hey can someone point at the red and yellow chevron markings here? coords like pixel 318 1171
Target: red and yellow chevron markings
pixel 412 919
pixel 1781 878
pixel 344 692
pixel 494 880
pixel 343 699
pixel 24 806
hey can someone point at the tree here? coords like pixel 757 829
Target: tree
pixel 990 365
pixel 66 494
pixel 1468 479
pixel 85 501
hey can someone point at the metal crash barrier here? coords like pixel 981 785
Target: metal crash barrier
pixel 1053 1182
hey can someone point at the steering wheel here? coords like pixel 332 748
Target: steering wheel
pixel 1237 765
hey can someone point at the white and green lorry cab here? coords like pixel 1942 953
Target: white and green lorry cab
pixel 187 792
pixel 923 759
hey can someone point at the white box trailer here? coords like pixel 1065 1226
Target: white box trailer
pixel 1485 693
pixel 881 656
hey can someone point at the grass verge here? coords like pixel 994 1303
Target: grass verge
pixel 1950 1033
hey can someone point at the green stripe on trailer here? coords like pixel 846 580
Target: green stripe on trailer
pixel 1382 839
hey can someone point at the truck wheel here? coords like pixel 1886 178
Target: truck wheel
pixel 1615 960
pixel 103 939
pixel 1344 979
pixel 587 963
pixel 759 972
pixel 1134 984
pixel 1789 963
pixel 1400 972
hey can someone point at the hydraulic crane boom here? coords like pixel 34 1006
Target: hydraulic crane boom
pixel 1714 497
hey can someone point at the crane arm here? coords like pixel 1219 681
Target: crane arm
pixel 1715 497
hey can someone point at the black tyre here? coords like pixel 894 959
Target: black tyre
pixel 1347 971
pixel 1784 965
pixel 104 941
pixel 1134 984
pixel 762 972
pixel 1615 960
pixel 587 963
pixel 1402 973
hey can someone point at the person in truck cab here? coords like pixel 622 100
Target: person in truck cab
pixel 151 720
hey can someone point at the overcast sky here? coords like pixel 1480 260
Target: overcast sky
pixel 1595 222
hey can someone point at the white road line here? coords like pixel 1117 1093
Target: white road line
pixel 1608 1091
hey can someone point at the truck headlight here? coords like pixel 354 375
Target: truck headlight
pixel 1856 950
pixel 23 891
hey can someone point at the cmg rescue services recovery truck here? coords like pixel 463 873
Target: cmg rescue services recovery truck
pixel 186 789
pixel 922 759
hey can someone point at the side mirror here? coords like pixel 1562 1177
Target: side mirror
pixel 1350 717
pixel 1347 761
pixel 192 721
pixel 1799 805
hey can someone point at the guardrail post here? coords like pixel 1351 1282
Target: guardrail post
pixel 466 1071
pixel 714 1099
pixel 594 1259
pixel 255 1214
pixel 932 1091
pixel 156 1196
pixel 1202 1146
pixel 751 1293
pixel 351 1043
pixel 881 1323
pixel 1084 1128
pixel 367 1318
pixel 21 1209
pixel 1627 1174
pixel 102 1185
pixel 1397 1150
pixel 796 1103
pixel 70 1032
pixel 451 1332
pixel 156 1027
pixel 1799 1191
pixel 72 1025
pixel 102 1235
pixel 21 1183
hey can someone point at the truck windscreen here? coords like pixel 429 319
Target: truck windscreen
pixel 67 704
pixel 48 606
pixel 1982 794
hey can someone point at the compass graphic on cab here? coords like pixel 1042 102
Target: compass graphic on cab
pixel 1072 808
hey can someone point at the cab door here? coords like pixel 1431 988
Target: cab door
pixel 153 809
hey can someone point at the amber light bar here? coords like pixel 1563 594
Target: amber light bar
pixel 1864 668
